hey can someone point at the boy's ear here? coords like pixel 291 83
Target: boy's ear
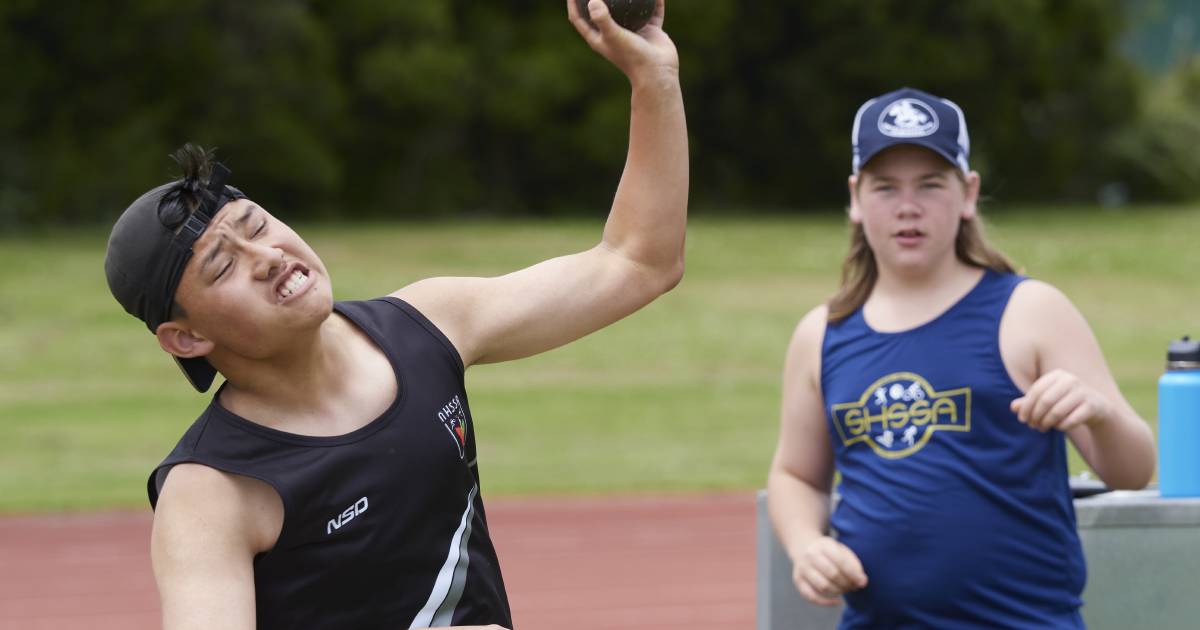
pixel 180 341
pixel 853 211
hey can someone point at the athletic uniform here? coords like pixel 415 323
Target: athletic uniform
pixel 960 514
pixel 384 526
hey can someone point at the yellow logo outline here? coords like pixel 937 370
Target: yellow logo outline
pixel 887 410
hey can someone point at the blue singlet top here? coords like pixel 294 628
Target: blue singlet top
pixel 960 514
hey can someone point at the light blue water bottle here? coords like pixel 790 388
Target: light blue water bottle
pixel 1179 421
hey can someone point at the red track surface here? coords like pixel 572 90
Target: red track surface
pixel 656 563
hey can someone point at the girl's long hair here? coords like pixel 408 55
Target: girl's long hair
pixel 859 270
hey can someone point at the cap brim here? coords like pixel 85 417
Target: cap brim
pixel 918 142
pixel 198 371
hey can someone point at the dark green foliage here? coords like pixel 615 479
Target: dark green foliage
pixel 359 108
pixel 1039 81
pixel 98 96
pixel 1161 150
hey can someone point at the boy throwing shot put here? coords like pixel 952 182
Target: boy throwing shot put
pixel 331 482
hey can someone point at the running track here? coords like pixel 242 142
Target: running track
pixel 653 563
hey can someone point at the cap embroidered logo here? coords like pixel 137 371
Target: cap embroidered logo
pixel 908 118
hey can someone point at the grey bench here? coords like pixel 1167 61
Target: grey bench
pixel 1143 555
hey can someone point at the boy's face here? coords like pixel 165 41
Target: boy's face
pixel 910 202
pixel 252 284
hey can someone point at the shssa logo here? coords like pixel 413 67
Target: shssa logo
pixel 898 414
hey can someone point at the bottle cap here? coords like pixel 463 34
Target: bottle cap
pixel 1183 354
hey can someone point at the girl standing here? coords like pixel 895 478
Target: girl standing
pixel 941 385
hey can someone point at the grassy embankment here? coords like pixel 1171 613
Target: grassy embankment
pixel 681 396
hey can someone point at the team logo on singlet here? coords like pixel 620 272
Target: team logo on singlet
pixel 454 418
pixel 898 414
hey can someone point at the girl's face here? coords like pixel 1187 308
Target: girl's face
pixel 909 201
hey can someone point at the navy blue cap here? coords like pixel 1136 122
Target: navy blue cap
pixel 909 116
pixel 149 248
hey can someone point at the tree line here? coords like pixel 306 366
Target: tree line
pixel 364 109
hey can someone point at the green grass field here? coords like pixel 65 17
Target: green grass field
pixel 681 396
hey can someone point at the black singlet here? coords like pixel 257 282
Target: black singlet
pixel 384 526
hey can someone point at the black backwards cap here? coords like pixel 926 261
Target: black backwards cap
pixel 151 244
